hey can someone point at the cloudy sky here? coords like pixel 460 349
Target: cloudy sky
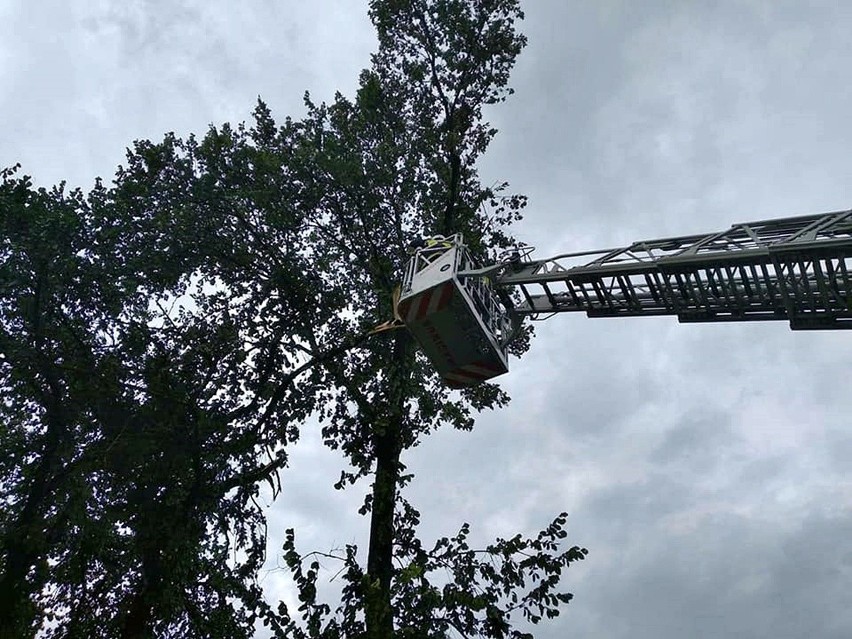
pixel 705 467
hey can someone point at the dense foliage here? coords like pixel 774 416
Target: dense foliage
pixel 163 338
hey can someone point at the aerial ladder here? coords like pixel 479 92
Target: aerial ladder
pixel 464 315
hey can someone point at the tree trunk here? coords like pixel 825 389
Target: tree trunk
pixel 379 615
pixel 388 445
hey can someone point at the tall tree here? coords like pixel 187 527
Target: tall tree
pixel 152 373
pixel 395 163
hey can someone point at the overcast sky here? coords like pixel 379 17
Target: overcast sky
pixel 705 467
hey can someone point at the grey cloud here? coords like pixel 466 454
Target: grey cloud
pixel 699 431
pixel 92 77
pixel 738 578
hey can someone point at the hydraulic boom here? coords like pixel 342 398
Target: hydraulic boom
pixel 795 269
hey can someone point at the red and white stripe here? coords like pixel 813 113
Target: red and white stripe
pixel 428 302
pixel 471 374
